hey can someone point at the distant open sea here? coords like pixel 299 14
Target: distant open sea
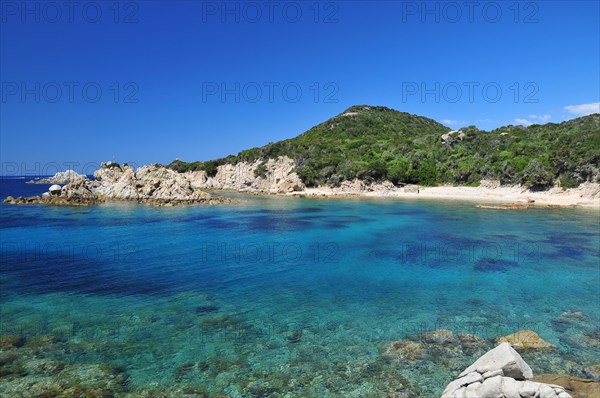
pixel 290 297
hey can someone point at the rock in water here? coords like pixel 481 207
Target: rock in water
pixel 206 309
pixel 501 372
pixel 525 340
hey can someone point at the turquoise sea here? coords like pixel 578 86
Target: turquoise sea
pixel 284 297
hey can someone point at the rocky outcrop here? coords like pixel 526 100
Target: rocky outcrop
pixel 78 192
pixel 501 372
pixel 525 340
pixel 152 184
pixel 62 178
pixel 276 176
pixel 114 181
pixel 590 190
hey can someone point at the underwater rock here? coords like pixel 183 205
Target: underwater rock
pixel 441 346
pixel 405 351
pixel 593 371
pixel 583 341
pixel 30 369
pixel 501 372
pixel 295 337
pixel 570 319
pixel 12 340
pixel 492 264
pixel 44 366
pixel 525 340
pixel 206 309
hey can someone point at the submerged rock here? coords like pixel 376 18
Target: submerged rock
pixel 525 340
pixel 442 347
pixel 206 309
pixel 501 372
pixel 492 264
pixel 593 371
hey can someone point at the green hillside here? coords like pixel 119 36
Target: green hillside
pixel 377 143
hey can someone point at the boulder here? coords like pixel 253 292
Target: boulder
pixel 590 190
pixel 503 358
pixel 576 387
pixel 55 189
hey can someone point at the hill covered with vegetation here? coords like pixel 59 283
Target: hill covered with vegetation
pixel 375 143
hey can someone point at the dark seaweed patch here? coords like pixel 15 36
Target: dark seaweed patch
pixel 494 265
pixel 206 309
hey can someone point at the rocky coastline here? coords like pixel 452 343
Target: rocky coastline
pixel 277 176
pixel 61 178
pixel 152 185
pixel 162 186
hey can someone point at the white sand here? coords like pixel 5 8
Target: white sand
pixel 516 195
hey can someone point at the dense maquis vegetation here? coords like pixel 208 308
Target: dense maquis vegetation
pixel 377 143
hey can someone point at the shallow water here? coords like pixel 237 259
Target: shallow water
pixel 291 297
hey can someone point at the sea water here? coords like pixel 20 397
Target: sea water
pixel 290 297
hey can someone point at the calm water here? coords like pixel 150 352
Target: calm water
pixel 279 297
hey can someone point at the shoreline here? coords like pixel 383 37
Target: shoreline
pixel 478 195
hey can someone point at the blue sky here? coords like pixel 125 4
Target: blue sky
pixel 150 81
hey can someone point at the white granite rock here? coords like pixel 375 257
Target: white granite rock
pixel 504 358
pixel 500 373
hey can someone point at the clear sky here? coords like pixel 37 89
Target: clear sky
pixel 150 81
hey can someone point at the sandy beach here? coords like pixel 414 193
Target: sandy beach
pixel 577 197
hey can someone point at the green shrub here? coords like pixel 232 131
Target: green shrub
pixel 260 171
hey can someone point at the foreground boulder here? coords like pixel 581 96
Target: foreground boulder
pixel 578 388
pixel 501 372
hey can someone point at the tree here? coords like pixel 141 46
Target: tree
pixel 536 175
pixel 399 170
